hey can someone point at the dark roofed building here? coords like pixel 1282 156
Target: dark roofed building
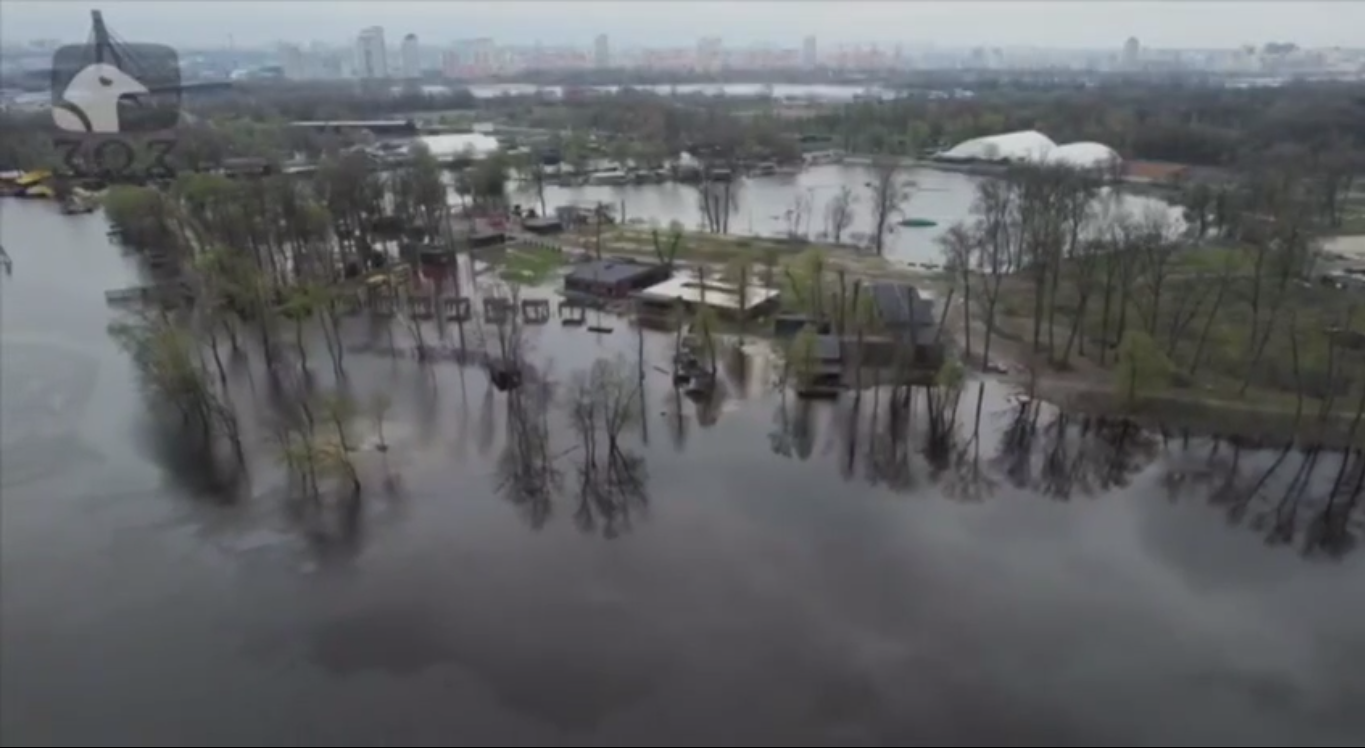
pixel 543 225
pixel 901 307
pixel 908 322
pixel 614 278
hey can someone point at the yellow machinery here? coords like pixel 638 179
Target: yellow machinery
pixel 33 178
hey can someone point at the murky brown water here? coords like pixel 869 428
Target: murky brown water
pixel 764 592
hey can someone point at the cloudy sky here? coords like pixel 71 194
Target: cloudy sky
pixel 1079 23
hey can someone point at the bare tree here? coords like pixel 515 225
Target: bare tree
pixel 890 192
pixel 840 212
pixel 717 200
pixel 959 253
pixel 667 250
pixel 998 238
pixel 796 214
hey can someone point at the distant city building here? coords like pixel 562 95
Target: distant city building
pixel 602 51
pixel 809 58
pixel 371 55
pixel 1132 53
pixel 292 62
pixel 472 58
pixel 412 57
pixel 710 54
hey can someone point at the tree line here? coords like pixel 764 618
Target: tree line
pixel 1052 263
pixel 1190 124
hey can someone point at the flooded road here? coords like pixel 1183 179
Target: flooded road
pixel 764 589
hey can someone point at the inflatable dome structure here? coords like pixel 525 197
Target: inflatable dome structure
pixel 1085 155
pixel 1023 146
pixel 1031 146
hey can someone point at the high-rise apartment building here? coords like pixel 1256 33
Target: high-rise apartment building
pixel 710 54
pixel 472 58
pixel 292 62
pixel 1132 53
pixel 371 54
pixel 809 59
pixel 411 55
pixel 601 56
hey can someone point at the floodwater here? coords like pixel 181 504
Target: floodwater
pixel 764 203
pixel 760 590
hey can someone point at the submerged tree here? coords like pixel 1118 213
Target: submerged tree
pixel 176 375
pixel 840 212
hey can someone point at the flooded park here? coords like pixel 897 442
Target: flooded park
pixel 529 566
pixel 764 205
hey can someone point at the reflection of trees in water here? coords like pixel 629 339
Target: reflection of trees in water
pixel 603 404
pixel 888 455
pixel 710 404
pixel 486 426
pixel 527 471
pixel 1308 497
pixel 735 365
pixel 795 428
pixel 675 412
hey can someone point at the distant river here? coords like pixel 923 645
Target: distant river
pixel 777 90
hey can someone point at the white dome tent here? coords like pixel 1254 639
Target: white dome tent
pixel 1084 155
pixel 1026 145
pixel 1031 146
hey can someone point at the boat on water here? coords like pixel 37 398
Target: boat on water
pixel 917 223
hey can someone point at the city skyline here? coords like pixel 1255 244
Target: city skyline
pixel 1061 25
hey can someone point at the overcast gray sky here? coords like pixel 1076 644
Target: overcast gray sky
pixel 1080 23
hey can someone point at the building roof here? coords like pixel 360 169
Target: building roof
pixel 450 145
pixel 719 294
pixel 611 271
pixel 1157 171
pixel 900 305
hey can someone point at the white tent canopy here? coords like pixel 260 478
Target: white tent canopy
pixel 1026 145
pixel 1031 146
pixel 1084 155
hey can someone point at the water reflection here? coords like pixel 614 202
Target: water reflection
pixel 528 471
pixel 1305 498
pixel 612 478
pixel 762 577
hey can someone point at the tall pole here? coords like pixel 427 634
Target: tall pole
pixel 104 47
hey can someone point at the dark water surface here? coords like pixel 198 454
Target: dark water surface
pixel 752 599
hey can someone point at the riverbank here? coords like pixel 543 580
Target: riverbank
pixel 1210 404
